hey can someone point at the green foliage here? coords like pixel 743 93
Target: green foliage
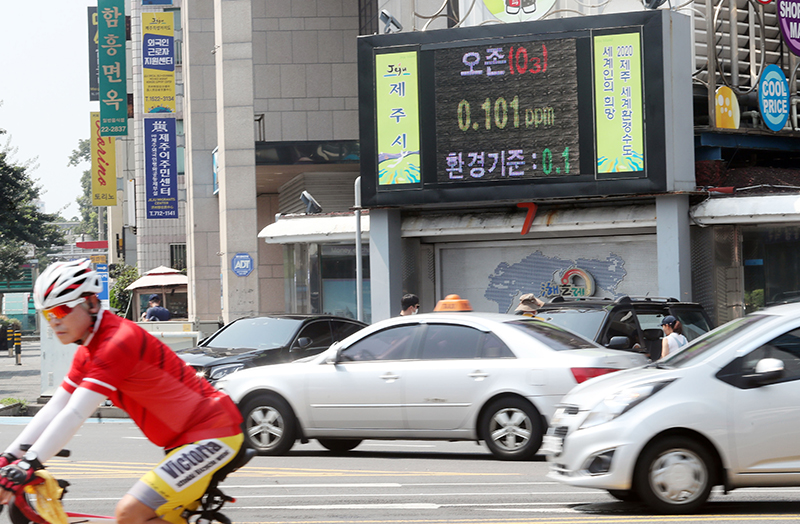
pixel 11 400
pixel 88 212
pixel 22 222
pixel 754 300
pixel 123 276
pixel 12 256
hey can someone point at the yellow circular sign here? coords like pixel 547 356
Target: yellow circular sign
pixel 727 108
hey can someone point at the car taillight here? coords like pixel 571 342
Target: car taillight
pixel 584 374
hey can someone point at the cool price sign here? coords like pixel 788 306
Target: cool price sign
pixel 773 97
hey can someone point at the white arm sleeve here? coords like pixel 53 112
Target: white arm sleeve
pixel 42 419
pixel 56 435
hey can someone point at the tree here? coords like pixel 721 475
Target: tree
pixel 88 212
pixel 22 222
pixel 123 277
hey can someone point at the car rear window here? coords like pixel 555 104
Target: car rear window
pixel 585 322
pixel 255 333
pixel 553 336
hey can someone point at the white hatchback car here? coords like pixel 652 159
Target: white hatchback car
pixel 444 376
pixel 724 410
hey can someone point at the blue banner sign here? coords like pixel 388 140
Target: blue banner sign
pixel 161 173
pixel 102 271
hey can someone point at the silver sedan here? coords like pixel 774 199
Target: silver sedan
pixel 440 376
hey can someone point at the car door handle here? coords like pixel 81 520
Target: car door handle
pixel 478 374
pixel 390 377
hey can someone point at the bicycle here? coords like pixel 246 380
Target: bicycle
pixel 205 510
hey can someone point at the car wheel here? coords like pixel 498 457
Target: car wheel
pixel 339 445
pixel 675 475
pixel 511 428
pixel 269 425
pixel 624 495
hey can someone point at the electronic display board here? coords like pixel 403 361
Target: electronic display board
pixel 506 111
pixel 549 109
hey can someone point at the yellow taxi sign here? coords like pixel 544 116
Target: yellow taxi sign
pixel 453 303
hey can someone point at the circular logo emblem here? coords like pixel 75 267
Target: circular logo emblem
pixel 727 108
pixel 773 97
pixel 789 20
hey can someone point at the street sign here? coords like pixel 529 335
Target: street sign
pixel 242 264
pixel 102 270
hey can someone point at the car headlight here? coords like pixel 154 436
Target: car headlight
pixel 221 371
pixel 621 402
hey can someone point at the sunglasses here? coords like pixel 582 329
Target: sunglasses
pixel 59 312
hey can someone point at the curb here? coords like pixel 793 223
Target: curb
pixel 101 412
pixel 13 410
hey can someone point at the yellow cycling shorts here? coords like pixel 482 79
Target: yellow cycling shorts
pixel 184 475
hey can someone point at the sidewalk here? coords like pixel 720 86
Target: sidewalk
pixel 24 382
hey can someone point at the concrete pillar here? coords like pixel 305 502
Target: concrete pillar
pixel 233 31
pixel 385 263
pixel 674 247
pixel 202 231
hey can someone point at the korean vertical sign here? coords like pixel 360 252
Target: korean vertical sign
pixel 161 174
pixel 397 109
pixel 619 106
pixel 111 58
pixel 104 165
pixel 94 88
pixel 158 66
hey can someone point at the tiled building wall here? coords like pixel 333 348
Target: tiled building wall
pixel 304 59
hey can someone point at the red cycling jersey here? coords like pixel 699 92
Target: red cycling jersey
pixel 161 393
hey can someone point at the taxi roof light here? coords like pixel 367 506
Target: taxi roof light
pixel 453 303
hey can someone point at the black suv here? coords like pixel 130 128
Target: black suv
pixel 632 323
pixel 260 341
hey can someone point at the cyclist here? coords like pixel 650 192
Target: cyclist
pixel 198 426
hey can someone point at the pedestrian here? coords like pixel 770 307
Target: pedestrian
pixel 155 311
pixel 529 305
pixel 117 359
pixel 410 304
pixel 673 336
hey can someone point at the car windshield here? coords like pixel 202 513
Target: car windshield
pixel 256 333
pixel 585 322
pixel 553 336
pixel 710 342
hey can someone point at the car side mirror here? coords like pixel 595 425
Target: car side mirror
pixel 335 358
pixel 767 371
pixel 619 342
pixel 302 343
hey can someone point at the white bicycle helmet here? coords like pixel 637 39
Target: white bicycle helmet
pixel 66 282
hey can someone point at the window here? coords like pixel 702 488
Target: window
pixel 319 333
pixel 443 341
pixel 622 323
pixel 177 256
pixel 493 347
pixel 342 330
pixel 785 348
pixel 389 344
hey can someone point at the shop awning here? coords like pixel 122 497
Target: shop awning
pixel 767 209
pixel 293 229
pixel 460 226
